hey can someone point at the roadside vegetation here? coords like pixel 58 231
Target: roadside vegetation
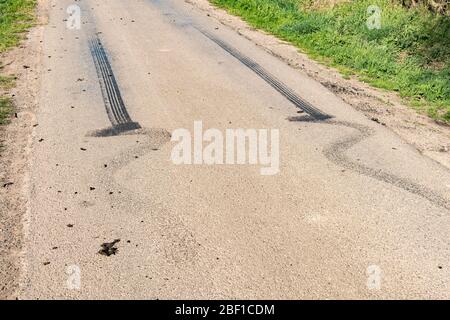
pixel 408 53
pixel 5 109
pixel 16 16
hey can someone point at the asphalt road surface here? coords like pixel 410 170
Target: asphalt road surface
pixel 354 212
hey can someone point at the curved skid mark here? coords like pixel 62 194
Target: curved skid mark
pixel 178 244
pixel 336 153
pixel 150 139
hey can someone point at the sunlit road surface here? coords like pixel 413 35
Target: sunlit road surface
pixel 350 211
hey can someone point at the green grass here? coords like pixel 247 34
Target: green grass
pixel 16 17
pixel 410 54
pixel 6 105
pixel 6 108
pixel 7 82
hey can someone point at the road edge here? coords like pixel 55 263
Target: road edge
pixel 25 62
pixel 430 138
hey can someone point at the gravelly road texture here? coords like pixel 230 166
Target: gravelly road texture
pixel 107 204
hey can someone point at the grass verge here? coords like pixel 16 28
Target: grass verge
pixel 6 108
pixel 7 82
pixel 16 17
pixel 409 53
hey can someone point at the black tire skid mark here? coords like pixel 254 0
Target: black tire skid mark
pixel 275 83
pixel 150 140
pixel 336 153
pixel 114 104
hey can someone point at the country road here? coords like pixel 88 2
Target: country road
pixel 350 211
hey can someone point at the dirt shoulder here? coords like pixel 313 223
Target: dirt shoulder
pixel 24 63
pixel 430 138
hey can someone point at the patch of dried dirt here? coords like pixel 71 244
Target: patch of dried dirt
pixel 24 62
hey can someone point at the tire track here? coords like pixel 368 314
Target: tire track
pixel 336 153
pixel 114 105
pixel 176 241
pixel 279 86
